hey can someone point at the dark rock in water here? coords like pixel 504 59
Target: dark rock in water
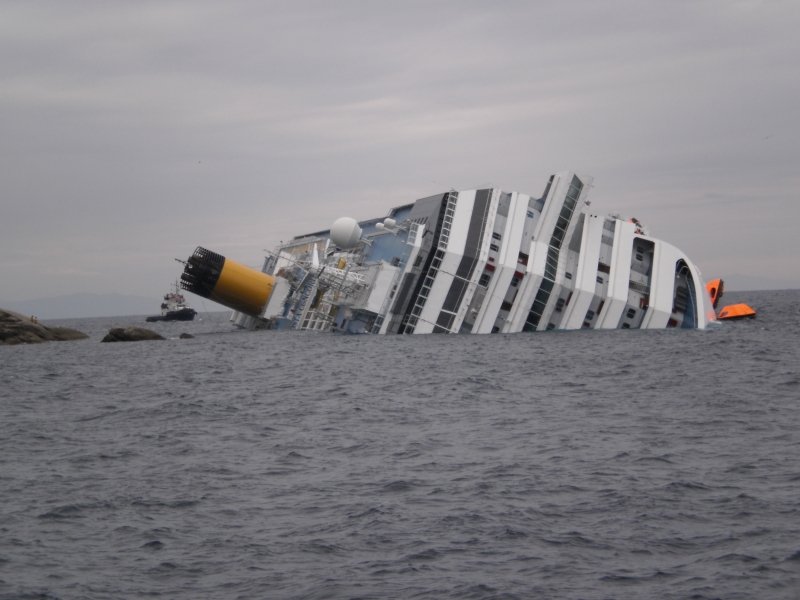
pixel 187 336
pixel 130 334
pixel 65 334
pixel 19 329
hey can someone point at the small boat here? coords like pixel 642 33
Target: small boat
pixel 715 290
pixel 174 308
pixel 733 312
pixel 736 311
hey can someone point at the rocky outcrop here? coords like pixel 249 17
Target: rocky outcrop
pixel 131 334
pixel 18 329
pixel 186 336
pixel 65 334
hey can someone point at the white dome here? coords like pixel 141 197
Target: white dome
pixel 345 233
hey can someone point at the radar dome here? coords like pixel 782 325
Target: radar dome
pixel 345 233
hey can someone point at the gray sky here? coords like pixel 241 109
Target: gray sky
pixel 132 132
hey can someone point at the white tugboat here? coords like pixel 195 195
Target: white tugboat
pixel 174 308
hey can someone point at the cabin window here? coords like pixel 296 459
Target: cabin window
pixel 639 249
pixel 599 279
pixel 496 235
pixel 494 247
pixel 484 280
pixel 639 257
pixel 514 282
pixel 530 214
pixel 631 313
pixel 396 261
pixel 626 325
pixel 522 258
pixel 418 262
pixel 551 326
pixel 568 275
pixel 495 329
pixel 589 315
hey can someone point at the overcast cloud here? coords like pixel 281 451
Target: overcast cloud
pixel 132 132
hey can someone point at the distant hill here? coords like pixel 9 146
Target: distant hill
pixel 77 306
pixel 745 283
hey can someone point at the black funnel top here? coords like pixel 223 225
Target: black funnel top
pixel 202 271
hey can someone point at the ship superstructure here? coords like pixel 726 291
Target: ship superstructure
pixel 471 261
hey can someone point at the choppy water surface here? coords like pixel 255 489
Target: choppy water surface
pixel 274 465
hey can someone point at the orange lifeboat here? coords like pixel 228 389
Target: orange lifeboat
pixel 737 311
pixel 715 289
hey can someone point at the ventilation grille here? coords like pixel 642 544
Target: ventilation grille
pixel 202 271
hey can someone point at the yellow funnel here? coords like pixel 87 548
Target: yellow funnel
pixel 227 282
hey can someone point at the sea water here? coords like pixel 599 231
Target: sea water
pixel 621 464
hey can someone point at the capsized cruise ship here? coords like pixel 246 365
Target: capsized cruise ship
pixel 472 261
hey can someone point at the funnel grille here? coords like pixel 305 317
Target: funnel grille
pixel 202 272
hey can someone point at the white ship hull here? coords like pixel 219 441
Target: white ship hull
pixel 482 261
